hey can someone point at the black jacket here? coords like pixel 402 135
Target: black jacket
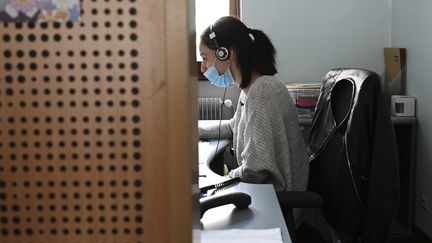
pixel 354 161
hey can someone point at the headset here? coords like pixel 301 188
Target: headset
pixel 222 53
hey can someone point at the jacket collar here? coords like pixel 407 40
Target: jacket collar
pixel 323 122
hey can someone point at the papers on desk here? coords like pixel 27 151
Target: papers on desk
pixel 242 236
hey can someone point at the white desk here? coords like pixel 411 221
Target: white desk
pixel 264 211
pixel 207 153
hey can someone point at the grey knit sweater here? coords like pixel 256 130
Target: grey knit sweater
pixel 266 136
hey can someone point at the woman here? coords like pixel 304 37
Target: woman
pixel 267 140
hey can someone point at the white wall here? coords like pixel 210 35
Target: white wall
pixel 312 37
pixel 412 29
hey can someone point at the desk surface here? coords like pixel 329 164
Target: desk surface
pixel 263 213
pixel 206 153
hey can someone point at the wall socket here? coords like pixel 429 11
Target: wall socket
pixel 425 203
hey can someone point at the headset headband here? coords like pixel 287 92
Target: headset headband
pixel 222 53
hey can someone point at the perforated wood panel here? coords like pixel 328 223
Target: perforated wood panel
pixel 83 118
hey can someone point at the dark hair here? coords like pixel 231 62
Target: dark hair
pixel 254 50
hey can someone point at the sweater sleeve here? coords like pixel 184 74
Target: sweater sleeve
pixel 220 129
pixel 258 157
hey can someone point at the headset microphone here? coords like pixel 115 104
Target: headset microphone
pixel 222 53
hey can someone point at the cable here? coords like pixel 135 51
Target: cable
pixel 220 122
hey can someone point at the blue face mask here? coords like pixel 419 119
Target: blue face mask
pixel 224 80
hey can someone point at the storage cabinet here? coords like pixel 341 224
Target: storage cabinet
pixel 405 130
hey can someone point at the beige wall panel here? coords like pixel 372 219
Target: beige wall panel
pixel 91 116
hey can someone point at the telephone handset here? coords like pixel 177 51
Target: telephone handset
pixel 240 199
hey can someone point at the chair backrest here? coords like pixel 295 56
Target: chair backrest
pixel 341 97
pixel 330 168
pixel 344 148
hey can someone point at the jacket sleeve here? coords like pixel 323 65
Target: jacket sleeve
pixel 383 197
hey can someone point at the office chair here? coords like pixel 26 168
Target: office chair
pixel 353 156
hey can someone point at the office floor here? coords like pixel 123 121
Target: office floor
pixel 308 235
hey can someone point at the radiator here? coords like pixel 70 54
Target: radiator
pixel 209 108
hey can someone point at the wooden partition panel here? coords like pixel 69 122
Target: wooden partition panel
pixel 87 135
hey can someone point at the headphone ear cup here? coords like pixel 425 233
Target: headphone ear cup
pixel 222 53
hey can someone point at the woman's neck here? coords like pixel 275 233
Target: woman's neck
pixel 237 76
pixel 254 77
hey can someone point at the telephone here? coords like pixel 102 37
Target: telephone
pixel 240 199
